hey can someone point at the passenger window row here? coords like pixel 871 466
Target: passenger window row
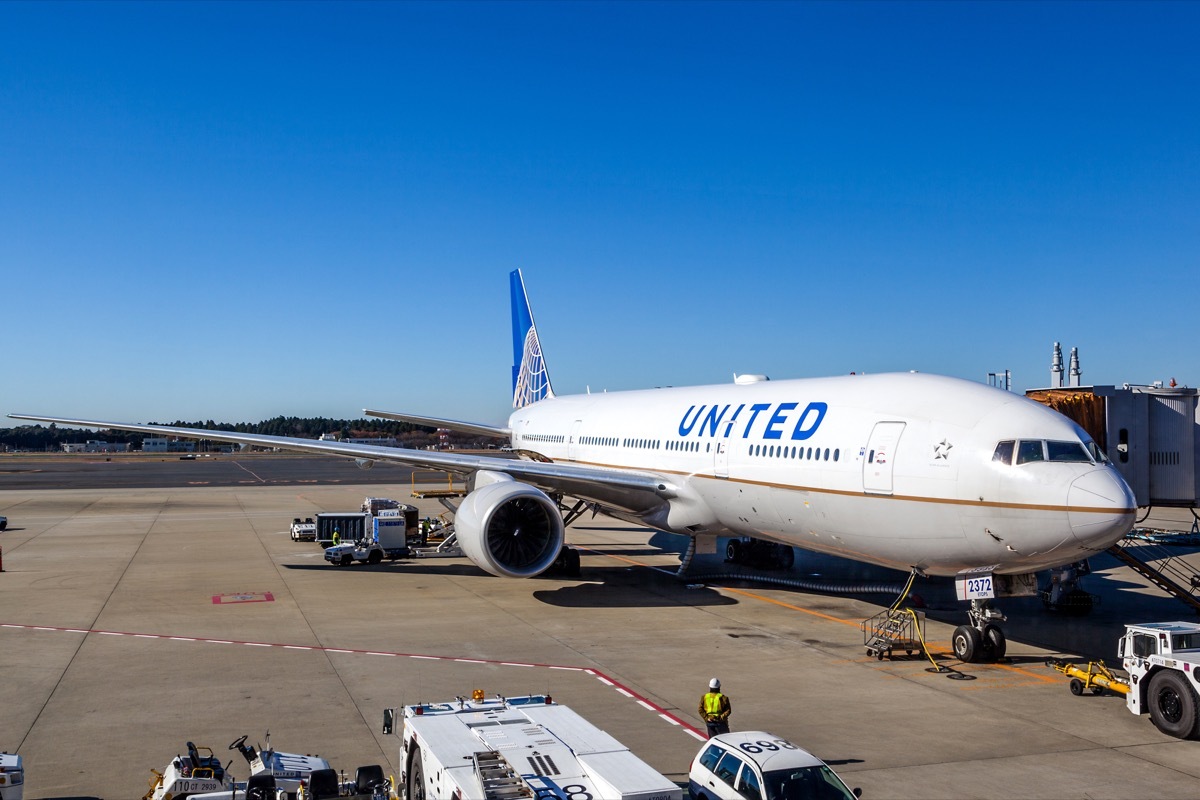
pixel 798 453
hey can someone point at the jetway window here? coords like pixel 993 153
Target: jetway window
pixel 1067 451
pixel 1028 452
pixel 1004 452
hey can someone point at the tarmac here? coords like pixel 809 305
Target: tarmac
pixel 148 602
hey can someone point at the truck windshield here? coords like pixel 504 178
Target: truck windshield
pixel 801 783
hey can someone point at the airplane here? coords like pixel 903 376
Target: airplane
pixel 932 475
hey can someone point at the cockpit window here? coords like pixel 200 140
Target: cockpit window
pixel 1029 451
pixel 1004 452
pixel 1097 454
pixel 1067 451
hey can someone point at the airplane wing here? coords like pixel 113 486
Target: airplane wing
pixel 630 490
pixel 476 428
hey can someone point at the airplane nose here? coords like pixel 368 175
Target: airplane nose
pixel 1100 507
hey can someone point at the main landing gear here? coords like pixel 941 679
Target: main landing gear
pixel 982 639
pixel 759 553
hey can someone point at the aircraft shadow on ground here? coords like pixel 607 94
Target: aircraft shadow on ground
pixel 416 568
pixel 614 588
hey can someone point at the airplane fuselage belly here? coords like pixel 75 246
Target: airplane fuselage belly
pixel 896 470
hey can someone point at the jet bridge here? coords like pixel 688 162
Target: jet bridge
pixel 1150 433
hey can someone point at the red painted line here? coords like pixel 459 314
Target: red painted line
pixel 600 676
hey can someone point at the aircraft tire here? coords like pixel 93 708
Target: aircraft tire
pixel 1172 704
pixel 572 563
pixel 967 643
pixel 994 643
pixel 733 552
pixel 415 789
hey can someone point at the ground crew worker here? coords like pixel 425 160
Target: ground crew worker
pixel 714 709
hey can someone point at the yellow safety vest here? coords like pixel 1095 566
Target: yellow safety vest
pixel 712 703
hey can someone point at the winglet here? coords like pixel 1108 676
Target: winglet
pixel 531 382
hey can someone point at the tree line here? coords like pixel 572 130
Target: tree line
pixel 41 438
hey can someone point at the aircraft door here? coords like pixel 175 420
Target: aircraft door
pixel 721 459
pixel 881 457
pixel 573 440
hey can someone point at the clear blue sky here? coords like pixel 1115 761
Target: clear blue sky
pixel 230 211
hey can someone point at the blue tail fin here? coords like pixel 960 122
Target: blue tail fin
pixel 531 382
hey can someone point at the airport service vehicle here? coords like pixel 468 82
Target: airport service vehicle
pixel 922 473
pixel 12 775
pixel 273 775
pixel 389 539
pixel 517 747
pixel 335 527
pixel 1163 662
pixel 199 772
pixel 373 505
pixel 305 531
pixel 757 764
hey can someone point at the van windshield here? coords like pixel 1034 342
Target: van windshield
pixel 805 783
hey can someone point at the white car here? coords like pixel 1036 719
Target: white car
pixel 756 765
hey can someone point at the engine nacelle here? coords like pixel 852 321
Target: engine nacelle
pixel 509 529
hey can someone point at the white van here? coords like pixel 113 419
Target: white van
pixel 756 765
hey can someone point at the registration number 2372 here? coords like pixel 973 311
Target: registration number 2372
pixel 976 588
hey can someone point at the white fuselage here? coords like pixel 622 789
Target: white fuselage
pixel 897 469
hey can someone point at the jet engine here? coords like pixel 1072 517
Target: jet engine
pixel 509 529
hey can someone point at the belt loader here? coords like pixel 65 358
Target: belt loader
pixel 517 748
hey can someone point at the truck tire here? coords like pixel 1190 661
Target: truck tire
pixel 346 559
pixel 1172 704
pixel 415 787
pixel 375 557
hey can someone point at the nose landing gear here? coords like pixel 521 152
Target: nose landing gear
pixel 982 639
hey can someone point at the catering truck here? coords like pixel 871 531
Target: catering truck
pixel 388 539
pixel 517 747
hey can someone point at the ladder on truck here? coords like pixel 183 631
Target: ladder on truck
pixel 1155 563
pixel 499 780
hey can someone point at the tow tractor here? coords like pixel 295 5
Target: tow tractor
pixel 199 772
pixel 305 531
pixel 273 776
pixel 1162 660
pixel 517 748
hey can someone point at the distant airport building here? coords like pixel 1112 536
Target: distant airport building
pixel 95 446
pixel 382 441
pixel 162 445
